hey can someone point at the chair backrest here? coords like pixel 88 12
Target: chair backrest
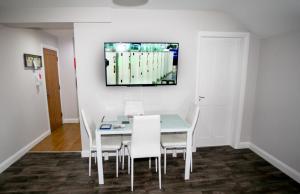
pixel 87 128
pixel 145 139
pixel 133 108
pixel 193 115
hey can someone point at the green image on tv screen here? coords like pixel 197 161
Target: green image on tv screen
pixel 141 63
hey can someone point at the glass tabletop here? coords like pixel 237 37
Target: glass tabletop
pixel 169 123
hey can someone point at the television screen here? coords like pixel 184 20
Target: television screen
pixel 138 63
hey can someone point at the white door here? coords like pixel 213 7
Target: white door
pixel 218 89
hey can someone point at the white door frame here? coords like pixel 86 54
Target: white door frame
pixel 235 133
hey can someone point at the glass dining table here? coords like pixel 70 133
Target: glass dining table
pixel 170 123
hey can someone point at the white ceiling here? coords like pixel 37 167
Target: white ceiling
pixel 263 17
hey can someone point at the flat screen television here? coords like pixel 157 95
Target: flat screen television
pixel 141 63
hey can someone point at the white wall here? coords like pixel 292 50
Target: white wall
pixel 253 63
pixel 276 126
pixel 134 25
pixel 23 113
pixel 68 93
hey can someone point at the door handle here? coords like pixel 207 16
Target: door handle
pixel 201 97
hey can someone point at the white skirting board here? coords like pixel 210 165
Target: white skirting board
pixel 291 172
pixel 12 159
pixel 84 153
pixel 243 145
pixel 71 120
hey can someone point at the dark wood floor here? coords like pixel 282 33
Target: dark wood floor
pixel 217 170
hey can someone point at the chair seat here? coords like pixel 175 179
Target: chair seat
pixel 126 139
pixel 148 155
pixel 173 140
pixel 109 143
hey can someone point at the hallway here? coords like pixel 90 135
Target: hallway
pixel 64 139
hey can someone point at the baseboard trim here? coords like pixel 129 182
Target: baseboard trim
pixel 16 156
pixel 71 120
pixel 84 153
pixel 291 172
pixel 243 145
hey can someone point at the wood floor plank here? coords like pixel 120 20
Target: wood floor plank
pixel 217 170
pixel 65 138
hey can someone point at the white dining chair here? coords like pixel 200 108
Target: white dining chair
pixel 108 144
pixel 132 108
pixel 145 142
pixel 179 140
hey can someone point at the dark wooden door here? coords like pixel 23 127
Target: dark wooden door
pixel 53 88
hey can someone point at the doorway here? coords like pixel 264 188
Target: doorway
pixel 53 88
pixel 65 133
pixel 221 79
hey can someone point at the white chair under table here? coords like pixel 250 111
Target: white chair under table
pixel 145 142
pixel 108 144
pixel 132 108
pixel 179 140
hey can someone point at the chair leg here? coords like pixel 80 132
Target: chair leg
pixel 120 155
pixel 155 164
pixel 117 163
pixel 123 156
pixel 192 162
pixel 159 171
pixel 95 157
pixel 132 163
pixel 149 163
pixel 184 151
pixel 90 162
pixel 165 160
pixel 128 164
